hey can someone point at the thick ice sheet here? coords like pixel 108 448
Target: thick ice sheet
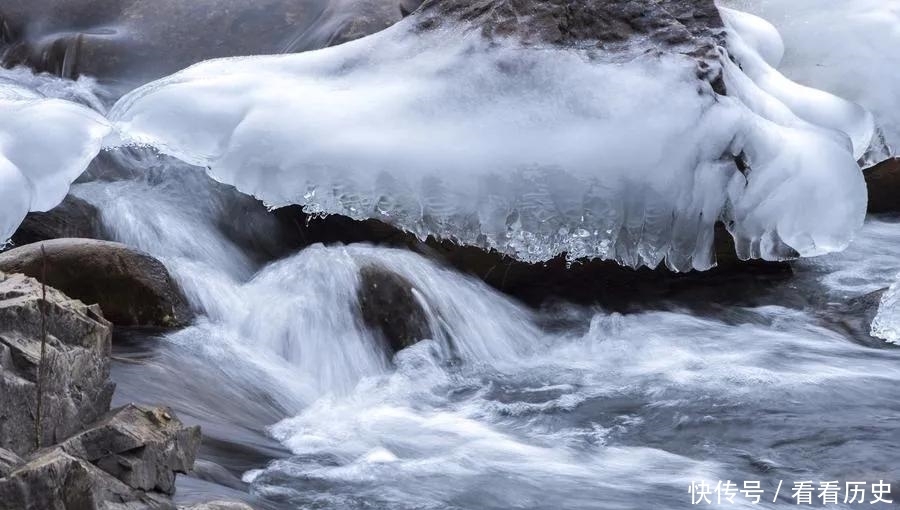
pixel 847 47
pixel 45 144
pixel 531 151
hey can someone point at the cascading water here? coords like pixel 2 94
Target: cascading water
pixel 505 407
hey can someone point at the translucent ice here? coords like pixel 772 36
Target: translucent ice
pixel 533 151
pixel 45 144
pixel 847 47
pixel 886 324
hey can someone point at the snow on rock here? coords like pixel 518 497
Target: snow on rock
pixel 847 47
pixel 533 142
pixel 45 144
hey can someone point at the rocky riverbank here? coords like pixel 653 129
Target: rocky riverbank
pixel 76 453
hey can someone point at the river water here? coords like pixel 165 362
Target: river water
pixel 509 407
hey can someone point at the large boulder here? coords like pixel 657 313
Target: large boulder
pixel 142 447
pixel 883 182
pixel 131 287
pixel 137 40
pixel 390 307
pixel 76 388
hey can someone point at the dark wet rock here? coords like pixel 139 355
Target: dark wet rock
pixel 8 462
pixel 142 447
pixel 883 182
pixel 595 281
pixel 73 217
pixel 389 305
pixel 218 505
pixel 56 480
pixel 137 40
pixel 76 387
pixel 131 287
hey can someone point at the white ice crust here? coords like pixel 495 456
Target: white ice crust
pixel 850 48
pixel 532 151
pixel 45 144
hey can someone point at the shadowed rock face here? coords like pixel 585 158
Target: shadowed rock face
pixel 74 217
pixel 77 391
pixel 137 40
pixel 131 287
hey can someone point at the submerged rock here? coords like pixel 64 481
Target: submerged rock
pixel 76 387
pixel 883 182
pixel 389 305
pixel 131 287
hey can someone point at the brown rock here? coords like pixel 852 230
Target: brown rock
pixel 131 287
pixel 883 182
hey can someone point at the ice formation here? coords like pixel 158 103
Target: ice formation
pixel 848 48
pixel 531 150
pixel 45 144
pixel 886 324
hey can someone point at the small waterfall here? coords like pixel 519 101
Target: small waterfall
pixel 298 317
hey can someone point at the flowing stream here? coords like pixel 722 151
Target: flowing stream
pixel 508 407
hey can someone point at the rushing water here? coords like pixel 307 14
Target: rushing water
pixel 507 407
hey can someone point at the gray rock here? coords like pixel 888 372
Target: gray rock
pixel 131 287
pixel 389 305
pixel 59 481
pixel 218 505
pixel 77 390
pixel 602 23
pixel 690 27
pixel 142 447
pixel 8 462
pixel 74 217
